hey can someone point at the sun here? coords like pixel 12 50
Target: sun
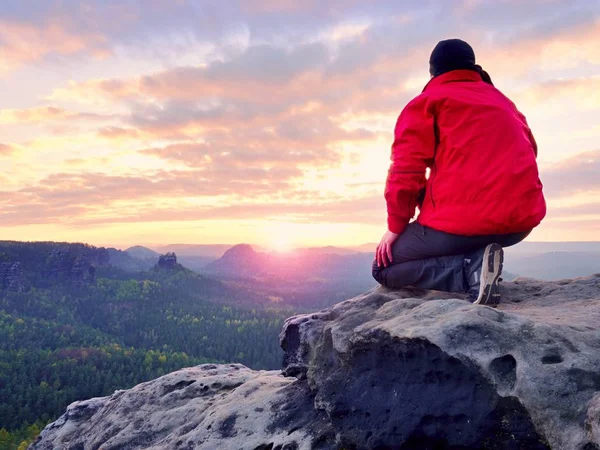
pixel 281 244
pixel 280 236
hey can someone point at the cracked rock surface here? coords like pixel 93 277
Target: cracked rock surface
pixel 400 370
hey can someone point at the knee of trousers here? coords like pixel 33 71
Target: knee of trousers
pixel 377 272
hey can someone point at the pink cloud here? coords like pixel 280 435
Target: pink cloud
pixel 561 50
pixel 83 205
pixel 117 133
pixel 274 6
pixel 6 149
pixel 25 43
pixel 45 114
pixel 582 90
pixel 575 174
pixel 68 196
pixel 91 198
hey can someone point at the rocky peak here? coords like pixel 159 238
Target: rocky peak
pixel 239 261
pixel 389 369
pixel 240 251
pixel 167 261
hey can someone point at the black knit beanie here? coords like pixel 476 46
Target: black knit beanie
pixel 454 54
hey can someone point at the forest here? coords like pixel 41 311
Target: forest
pixel 65 337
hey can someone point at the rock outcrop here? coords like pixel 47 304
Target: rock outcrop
pixel 167 261
pixel 12 277
pixel 83 271
pixel 207 407
pixel 76 264
pixel 386 370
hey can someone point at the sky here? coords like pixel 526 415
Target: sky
pixel 266 121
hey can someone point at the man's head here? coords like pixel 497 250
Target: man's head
pixel 451 54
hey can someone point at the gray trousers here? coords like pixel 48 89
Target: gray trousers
pixel 429 259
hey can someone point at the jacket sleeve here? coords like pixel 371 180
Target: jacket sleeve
pixel 412 151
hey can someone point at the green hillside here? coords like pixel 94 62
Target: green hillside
pixel 72 326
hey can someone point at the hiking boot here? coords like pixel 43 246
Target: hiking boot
pixel 483 275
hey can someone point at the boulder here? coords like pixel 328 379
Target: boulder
pixel 404 370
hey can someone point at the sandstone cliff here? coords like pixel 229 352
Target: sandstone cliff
pixel 167 261
pixel 12 277
pixel 400 370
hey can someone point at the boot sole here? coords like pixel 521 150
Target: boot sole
pixel 489 289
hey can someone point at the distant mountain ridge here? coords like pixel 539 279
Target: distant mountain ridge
pixel 302 278
pixel 542 260
pixel 142 252
pixel 244 261
pixel 205 250
pixel 532 247
pixel 554 265
pixel 217 250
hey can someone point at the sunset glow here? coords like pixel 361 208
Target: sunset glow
pixel 266 122
pixel 282 245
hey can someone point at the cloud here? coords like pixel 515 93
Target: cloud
pixel 572 175
pixel 164 30
pixel 533 56
pixel 116 133
pixel 44 114
pixel 230 157
pixel 268 64
pixel 367 211
pixel 98 199
pixel 364 70
pixel 583 92
pixel 251 75
pixel 63 196
pixel 6 149
pixel 22 43
pixel 576 212
pixel 514 21
pixel 248 91
pixel 38 30
pixel 245 105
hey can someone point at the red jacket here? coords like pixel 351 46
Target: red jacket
pixel 482 156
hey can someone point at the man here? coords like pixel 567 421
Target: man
pixel 483 191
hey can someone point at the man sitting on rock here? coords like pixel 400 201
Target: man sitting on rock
pixel 483 191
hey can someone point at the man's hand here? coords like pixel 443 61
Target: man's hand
pixel 383 254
